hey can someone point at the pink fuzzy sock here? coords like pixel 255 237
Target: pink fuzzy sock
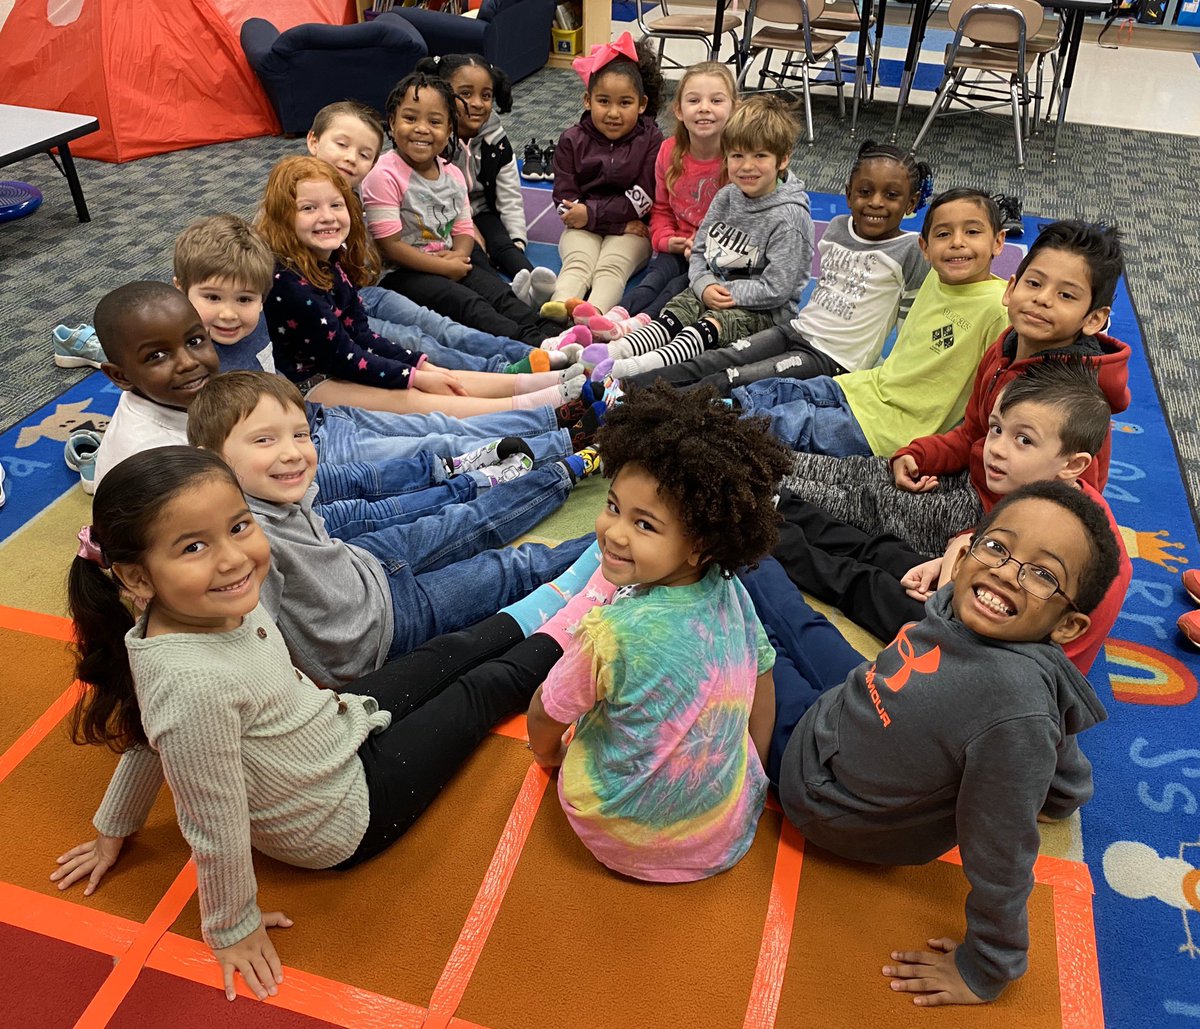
pixel 597 592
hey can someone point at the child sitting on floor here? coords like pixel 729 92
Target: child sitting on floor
pixel 671 684
pixel 1047 425
pixel 345 608
pixel 160 356
pixel 199 691
pixel 870 273
pixel 752 257
pixel 962 731
pixel 1058 302
pixel 310 219
pixel 419 214
pixel 604 177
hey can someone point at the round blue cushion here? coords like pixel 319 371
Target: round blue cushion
pixel 18 199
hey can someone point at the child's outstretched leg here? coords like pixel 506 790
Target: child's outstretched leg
pixel 687 343
pixel 531 612
pixel 598 592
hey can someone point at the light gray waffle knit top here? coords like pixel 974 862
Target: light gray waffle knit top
pixel 255 754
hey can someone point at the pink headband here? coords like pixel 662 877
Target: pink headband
pixel 602 54
pixel 89 550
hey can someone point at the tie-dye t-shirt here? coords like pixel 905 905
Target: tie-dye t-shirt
pixel 662 781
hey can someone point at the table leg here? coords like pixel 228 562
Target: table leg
pixel 1074 32
pixel 68 169
pixel 860 61
pixel 880 18
pixel 718 24
pixel 916 35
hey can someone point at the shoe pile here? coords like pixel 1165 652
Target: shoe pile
pixel 1010 213
pixel 1189 623
pixel 538 165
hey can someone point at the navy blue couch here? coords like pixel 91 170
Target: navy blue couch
pixel 511 34
pixel 309 66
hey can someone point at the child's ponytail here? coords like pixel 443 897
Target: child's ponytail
pixel 125 515
pixel 444 67
pixel 920 174
pixel 107 713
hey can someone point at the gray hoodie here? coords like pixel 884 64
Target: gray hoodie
pixel 948 738
pixel 760 249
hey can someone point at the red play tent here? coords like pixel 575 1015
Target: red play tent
pixel 160 76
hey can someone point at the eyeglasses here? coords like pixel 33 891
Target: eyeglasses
pixel 1033 579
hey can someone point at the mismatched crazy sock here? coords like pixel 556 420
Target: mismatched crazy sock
pixel 531 612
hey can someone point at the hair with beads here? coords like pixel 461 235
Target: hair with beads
pixel 276 223
pixel 718 471
pixel 920 175
pixel 683 139
pixel 126 514
pixel 645 75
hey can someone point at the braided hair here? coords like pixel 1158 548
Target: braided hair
pixel 920 175
pixel 415 82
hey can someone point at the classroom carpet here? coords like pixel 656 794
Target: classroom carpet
pixel 490 913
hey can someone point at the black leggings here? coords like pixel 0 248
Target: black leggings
pixel 841 565
pixel 444 698
pixel 480 300
pixel 504 255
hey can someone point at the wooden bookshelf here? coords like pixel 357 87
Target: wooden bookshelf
pixel 597 28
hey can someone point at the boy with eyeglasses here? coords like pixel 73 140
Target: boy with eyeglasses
pixel 962 731
pixel 1046 425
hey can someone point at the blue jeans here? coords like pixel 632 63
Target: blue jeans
pixel 351 434
pixel 358 498
pixel 809 415
pixel 447 343
pixel 453 569
pixel 811 656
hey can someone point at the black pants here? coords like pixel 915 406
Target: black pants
pixel 666 277
pixel 843 566
pixel 502 252
pixel 481 300
pixel 444 697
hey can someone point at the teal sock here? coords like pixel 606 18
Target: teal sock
pixel 531 612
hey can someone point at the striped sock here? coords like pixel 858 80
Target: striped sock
pixel 693 340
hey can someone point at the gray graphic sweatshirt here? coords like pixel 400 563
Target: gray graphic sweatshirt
pixel 948 738
pixel 760 249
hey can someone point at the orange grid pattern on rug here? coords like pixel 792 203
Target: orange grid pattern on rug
pixel 150 943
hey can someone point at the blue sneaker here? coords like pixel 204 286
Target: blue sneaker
pixel 80 455
pixel 77 347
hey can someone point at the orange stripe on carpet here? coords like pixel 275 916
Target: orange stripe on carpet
pixel 65 921
pixel 37 624
pixel 448 993
pixel 514 728
pixel 37 732
pixel 1078 965
pixel 108 998
pixel 300 992
pixel 777 930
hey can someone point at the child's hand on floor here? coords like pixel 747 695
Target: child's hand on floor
pixel 428 379
pixel 921 581
pixel 636 228
pixel 904 473
pixel 933 975
pixel 92 859
pixel 717 297
pixel 254 956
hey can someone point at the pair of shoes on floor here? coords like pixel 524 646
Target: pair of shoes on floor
pixel 77 347
pixel 1189 623
pixel 538 165
pixel 80 455
pixel 1010 214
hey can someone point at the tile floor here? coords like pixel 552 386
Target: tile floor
pixel 1126 87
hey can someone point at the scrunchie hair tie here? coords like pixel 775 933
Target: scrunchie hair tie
pixel 89 549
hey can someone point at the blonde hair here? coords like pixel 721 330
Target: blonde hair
pixel 223 247
pixel 762 122
pixel 226 399
pixel 276 223
pixel 683 139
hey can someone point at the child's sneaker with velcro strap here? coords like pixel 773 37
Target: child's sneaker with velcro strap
pixel 77 347
pixel 80 455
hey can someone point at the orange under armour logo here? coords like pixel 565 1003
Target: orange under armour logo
pixel 926 664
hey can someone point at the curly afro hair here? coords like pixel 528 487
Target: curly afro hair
pixel 719 472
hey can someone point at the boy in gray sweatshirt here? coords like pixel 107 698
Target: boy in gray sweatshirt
pixel 753 252
pixel 962 731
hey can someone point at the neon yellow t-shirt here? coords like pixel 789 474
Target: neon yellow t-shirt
pixel 923 386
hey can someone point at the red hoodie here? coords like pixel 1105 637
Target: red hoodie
pixel 962 447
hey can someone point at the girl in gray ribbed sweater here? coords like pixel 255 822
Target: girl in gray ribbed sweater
pixel 200 691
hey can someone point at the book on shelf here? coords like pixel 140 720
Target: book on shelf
pixel 566 17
